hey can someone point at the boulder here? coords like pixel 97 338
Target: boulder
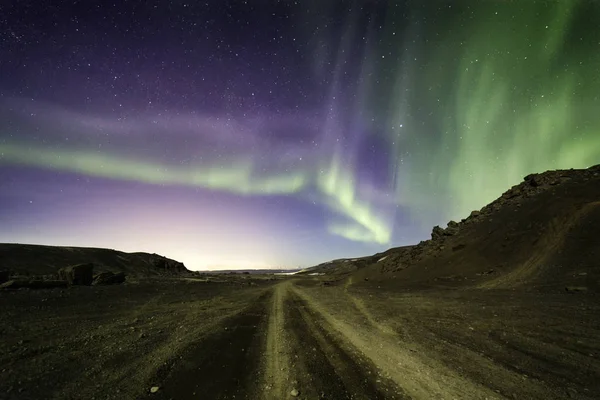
pixel 437 232
pixel 81 274
pixel 4 276
pixel 109 278
pixel 452 224
pixel 475 214
pixel 533 180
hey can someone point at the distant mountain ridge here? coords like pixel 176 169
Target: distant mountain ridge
pixel 29 259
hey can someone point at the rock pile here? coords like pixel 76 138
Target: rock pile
pixel 438 233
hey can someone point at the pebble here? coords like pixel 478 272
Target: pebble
pixel 154 389
pixel 294 393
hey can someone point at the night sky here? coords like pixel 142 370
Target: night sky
pixel 243 134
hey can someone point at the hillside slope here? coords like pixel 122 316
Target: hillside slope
pixel 26 259
pixel 542 234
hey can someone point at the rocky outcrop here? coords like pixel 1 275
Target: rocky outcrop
pixel 81 274
pixel 109 278
pixel 452 229
pixel 169 266
pixel 533 184
pixel 437 233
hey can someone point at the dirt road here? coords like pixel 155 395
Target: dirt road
pixel 330 343
pixel 299 339
pixel 280 346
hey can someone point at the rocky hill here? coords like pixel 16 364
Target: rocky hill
pixel 542 234
pixel 35 260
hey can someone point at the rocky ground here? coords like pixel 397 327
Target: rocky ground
pixel 109 342
pixel 253 338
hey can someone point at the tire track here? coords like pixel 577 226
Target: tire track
pixel 419 375
pixel 224 364
pixel 326 367
pixel 276 376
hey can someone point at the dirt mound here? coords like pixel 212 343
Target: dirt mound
pixel 34 260
pixel 543 233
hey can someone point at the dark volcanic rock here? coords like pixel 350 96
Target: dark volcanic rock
pixel 109 278
pixel 452 229
pixel 437 233
pixel 4 276
pixel 531 179
pixel 82 274
pixel 475 214
pixel 170 266
pixel 452 224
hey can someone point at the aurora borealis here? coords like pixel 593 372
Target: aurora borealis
pixel 271 133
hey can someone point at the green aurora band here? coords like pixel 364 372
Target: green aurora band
pixel 515 90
